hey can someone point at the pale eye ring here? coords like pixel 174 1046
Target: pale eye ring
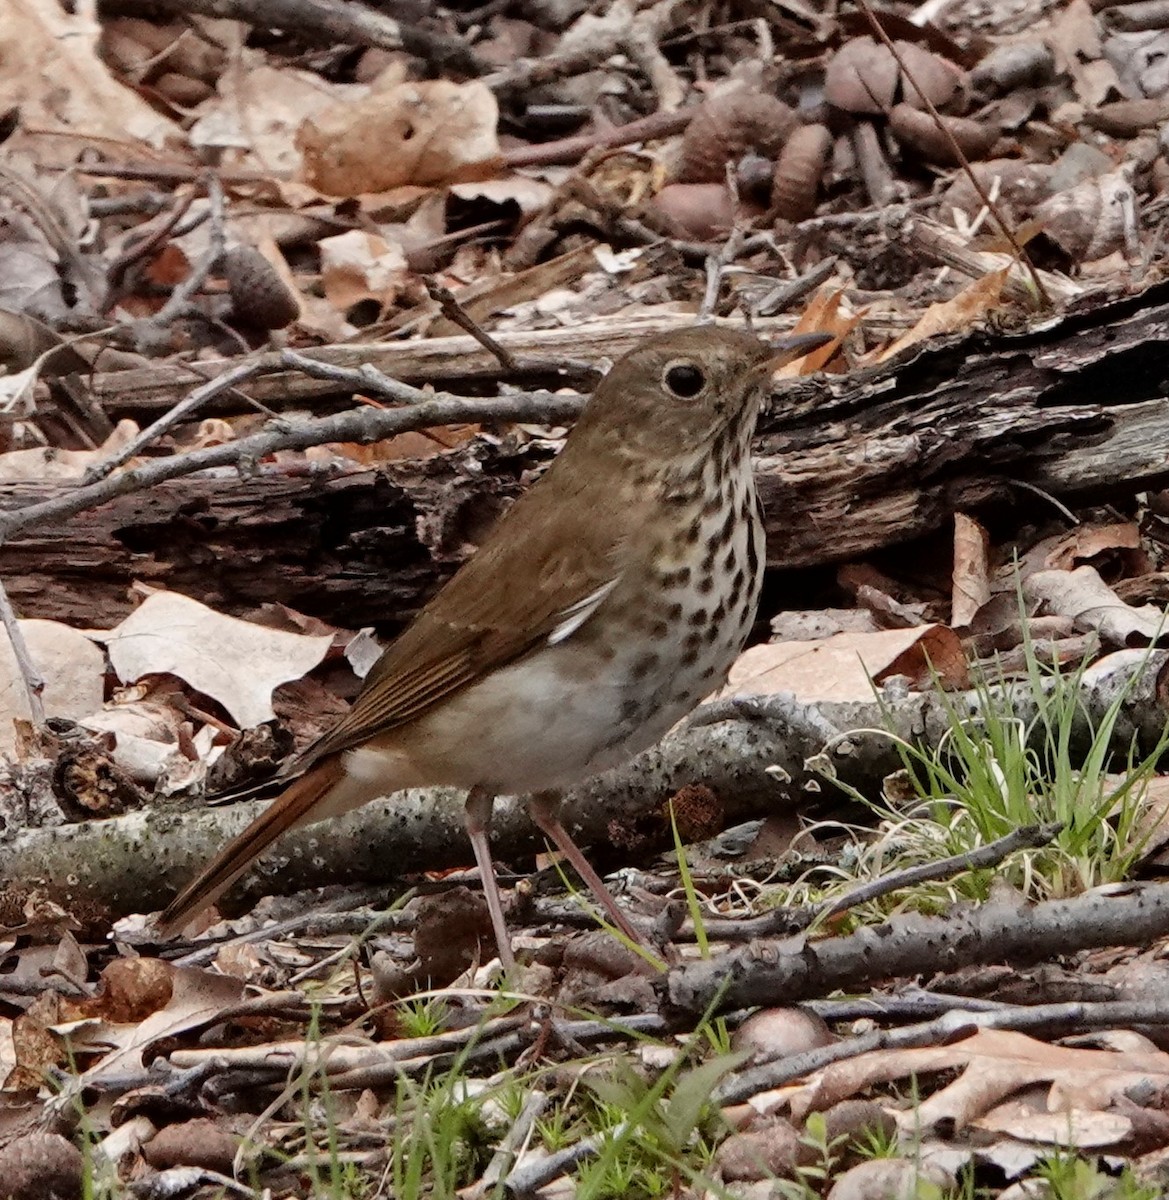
pixel 683 379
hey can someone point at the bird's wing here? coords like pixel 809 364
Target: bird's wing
pixel 542 572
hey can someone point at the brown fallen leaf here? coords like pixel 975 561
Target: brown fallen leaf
pixel 971 570
pixel 845 666
pixel 950 316
pixel 235 662
pixel 424 132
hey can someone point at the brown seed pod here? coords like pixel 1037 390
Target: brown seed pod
pixel 1127 118
pixel 1014 65
pixel 918 131
pixel 699 211
pixel 799 171
pixel 726 127
pixel 1092 219
pixel 864 77
pixel 182 90
pixel 861 77
pixel 939 79
pixel 258 295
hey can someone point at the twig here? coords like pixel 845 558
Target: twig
pixel 990 855
pixel 531 1176
pixel 34 683
pixel 572 149
pixel 362 425
pixel 716 265
pixel 950 1027
pixel 455 312
pixel 790 291
pixel 182 411
pixel 510 1144
pixel 911 944
pixel 1020 252
pixel 180 299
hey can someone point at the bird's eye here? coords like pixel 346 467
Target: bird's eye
pixel 684 379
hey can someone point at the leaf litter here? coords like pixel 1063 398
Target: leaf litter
pixel 785 166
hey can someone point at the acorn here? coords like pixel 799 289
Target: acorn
pixel 258 295
pixel 728 126
pixel 799 171
pixel 919 131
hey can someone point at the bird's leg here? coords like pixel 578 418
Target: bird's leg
pixel 545 810
pixel 478 819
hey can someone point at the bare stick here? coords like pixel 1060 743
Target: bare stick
pixel 1020 253
pixel 180 298
pixel 1107 1014
pixel 454 311
pixel 184 410
pixel 990 855
pixel 358 425
pixel 34 683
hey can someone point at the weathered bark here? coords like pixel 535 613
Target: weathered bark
pixel 136 863
pixel 846 465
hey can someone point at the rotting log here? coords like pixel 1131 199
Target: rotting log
pixel 846 464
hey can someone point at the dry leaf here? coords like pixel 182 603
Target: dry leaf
pixel 357 266
pixel 197 998
pixel 426 132
pixel 254 117
pixel 72 667
pixel 232 661
pixel 971 570
pixel 846 666
pixel 58 80
pixel 1085 597
pixel 47 462
pixel 950 316
pixel 822 315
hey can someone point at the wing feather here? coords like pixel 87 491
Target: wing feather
pixel 544 570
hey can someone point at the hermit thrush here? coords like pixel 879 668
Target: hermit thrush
pixel 612 597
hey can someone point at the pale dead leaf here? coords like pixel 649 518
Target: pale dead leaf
pixel 1085 597
pixel 72 667
pixel 971 570
pixel 146 736
pixel 57 79
pixel 425 132
pixel 254 117
pixel 845 666
pixel 955 315
pixel 198 997
pixel 994 1064
pixel 358 266
pixel 1083 1128
pixel 47 462
pixel 235 662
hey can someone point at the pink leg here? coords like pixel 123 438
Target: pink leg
pixel 478 819
pixel 544 807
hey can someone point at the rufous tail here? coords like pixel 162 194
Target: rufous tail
pixel 289 809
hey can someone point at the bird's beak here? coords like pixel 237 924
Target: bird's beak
pixel 791 346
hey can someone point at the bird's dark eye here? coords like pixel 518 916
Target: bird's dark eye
pixel 685 380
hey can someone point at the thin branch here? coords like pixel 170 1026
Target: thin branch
pixel 453 311
pixel 180 299
pixel 1107 1014
pixel 362 425
pixel 1020 252
pixel 34 683
pixel 1029 837
pixel 182 411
